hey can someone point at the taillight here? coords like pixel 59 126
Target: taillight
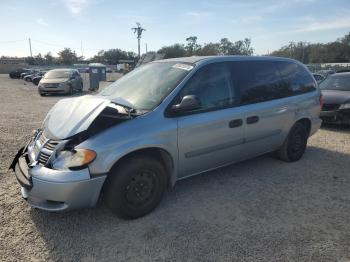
pixel 321 101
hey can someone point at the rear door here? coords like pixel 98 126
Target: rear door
pixel 266 105
pixel 213 135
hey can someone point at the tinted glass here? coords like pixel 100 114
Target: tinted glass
pixel 336 82
pixel 146 86
pixel 296 78
pixel 57 74
pixel 212 85
pixel 258 81
pixel 318 77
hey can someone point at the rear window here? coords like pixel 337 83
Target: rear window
pixel 336 82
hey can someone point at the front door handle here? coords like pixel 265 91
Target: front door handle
pixel 235 123
pixel 252 120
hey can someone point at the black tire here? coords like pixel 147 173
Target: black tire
pixel 295 144
pixel 135 187
pixel 41 94
pixel 71 90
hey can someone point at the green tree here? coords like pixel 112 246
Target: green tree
pixel 226 46
pixel 30 60
pixel 67 56
pixel 192 47
pixel 332 52
pixel 112 56
pixel 176 50
pixel 49 59
pixel 210 49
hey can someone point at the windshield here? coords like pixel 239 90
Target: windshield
pixel 336 82
pixel 148 85
pixel 57 74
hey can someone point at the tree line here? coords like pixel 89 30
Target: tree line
pixel 223 47
pixel 332 52
pixel 309 53
pixel 68 57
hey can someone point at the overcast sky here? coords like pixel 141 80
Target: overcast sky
pixel 105 24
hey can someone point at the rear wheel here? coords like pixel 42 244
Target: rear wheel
pixel 135 187
pixel 295 144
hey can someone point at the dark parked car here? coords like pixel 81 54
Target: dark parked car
pixel 336 97
pixel 326 72
pixel 29 77
pixel 26 72
pixel 343 71
pixel 36 79
pixel 17 73
pixel 319 78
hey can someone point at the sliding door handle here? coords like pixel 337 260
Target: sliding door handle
pixel 235 123
pixel 252 120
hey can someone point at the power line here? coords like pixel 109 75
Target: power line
pixel 12 41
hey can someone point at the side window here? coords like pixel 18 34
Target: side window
pixel 212 85
pixel 258 81
pixel 296 78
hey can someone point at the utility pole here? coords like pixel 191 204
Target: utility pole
pixel 30 47
pixel 303 51
pixel 81 49
pixel 146 48
pixel 138 31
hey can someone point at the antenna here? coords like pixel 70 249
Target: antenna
pixel 138 31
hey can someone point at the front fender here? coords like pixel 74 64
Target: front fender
pixel 118 142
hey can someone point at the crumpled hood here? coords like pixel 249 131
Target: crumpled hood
pixel 73 115
pixel 335 96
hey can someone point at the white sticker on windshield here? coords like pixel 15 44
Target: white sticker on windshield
pixel 183 66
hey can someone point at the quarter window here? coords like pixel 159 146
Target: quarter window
pixel 296 78
pixel 258 81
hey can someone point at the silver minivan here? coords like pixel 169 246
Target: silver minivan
pixel 165 121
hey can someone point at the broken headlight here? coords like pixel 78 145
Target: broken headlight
pixel 74 159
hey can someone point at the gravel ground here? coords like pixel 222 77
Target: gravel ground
pixel 261 209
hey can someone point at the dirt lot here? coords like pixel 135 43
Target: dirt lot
pixel 261 209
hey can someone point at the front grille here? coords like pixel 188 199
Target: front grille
pixel 44 148
pixel 50 85
pixel 43 158
pixel 330 107
pixel 51 145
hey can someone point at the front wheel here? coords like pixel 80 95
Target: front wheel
pixel 71 90
pixel 295 144
pixel 135 187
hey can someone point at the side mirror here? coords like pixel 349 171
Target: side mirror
pixel 187 103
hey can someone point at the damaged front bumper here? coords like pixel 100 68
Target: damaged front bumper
pixel 55 190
